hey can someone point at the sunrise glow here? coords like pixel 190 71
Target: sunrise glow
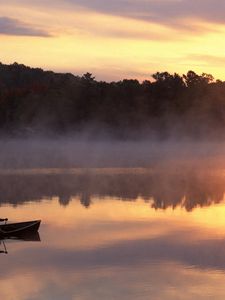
pixel 114 41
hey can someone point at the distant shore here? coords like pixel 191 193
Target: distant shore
pixel 36 103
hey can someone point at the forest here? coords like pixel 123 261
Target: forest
pixel 37 102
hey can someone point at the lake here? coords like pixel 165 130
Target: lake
pixel 115 233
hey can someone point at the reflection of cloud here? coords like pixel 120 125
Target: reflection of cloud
pixel 155 260
pixel 117 283
pixel 176 246
pixel 9 26
pixel 206 254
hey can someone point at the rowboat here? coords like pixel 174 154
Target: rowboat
pixel 19 229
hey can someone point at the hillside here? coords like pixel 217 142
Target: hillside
pixel 33 101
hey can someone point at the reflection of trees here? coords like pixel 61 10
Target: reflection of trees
pixel 167 190
pixel 85 199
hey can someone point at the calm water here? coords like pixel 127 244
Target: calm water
pixel 115 234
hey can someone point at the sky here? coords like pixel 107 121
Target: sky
pixel 115 39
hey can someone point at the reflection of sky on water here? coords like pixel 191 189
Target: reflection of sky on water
pixel 116 249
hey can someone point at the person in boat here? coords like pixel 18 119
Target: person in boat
pixel 4 220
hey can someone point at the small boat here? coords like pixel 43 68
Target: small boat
pixel 18 229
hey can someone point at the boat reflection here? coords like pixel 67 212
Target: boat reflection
pixel 31 237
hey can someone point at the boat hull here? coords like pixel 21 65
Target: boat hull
pixel 19 229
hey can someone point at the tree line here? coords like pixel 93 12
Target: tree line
pixel 33 101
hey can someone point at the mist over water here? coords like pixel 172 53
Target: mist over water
pixel 73 152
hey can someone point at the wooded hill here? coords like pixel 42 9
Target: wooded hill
pixel 33 101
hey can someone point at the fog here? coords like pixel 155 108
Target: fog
pixel 74 152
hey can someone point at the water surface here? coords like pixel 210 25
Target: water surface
pixel 115 234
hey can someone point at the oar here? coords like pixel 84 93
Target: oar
pixel 3 251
